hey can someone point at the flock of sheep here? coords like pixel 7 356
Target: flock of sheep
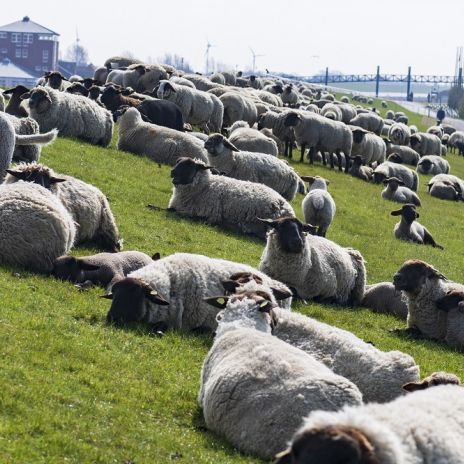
pixel 275 382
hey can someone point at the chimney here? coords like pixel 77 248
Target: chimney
pixel 26 19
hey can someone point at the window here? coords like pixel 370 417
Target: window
pixel 4 50
pixel 16 37
pixel 45 37
pixel 27 38
pixel 38 68
pixel 25 53
pixel 45 56
pixel 18 53
pixel 3 35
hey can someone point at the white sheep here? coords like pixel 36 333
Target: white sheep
pixel 368 145
pixel 276 122
pixel 332 111
pixel 370 121
pixel 399 134
pixel 161 144
pixel 318 205
pixel 247 139
pixel 402 155
pixel 389 169
pixel 231 203
pixel 181 282
pixel 426 144
pixel 396 191
pixel 358 170
pixel 446 187
pixel 255 389
pixel 456 140
pixel 432 164
pixel 238 107
pixel 253 167
pixel 417 428
pixel 299 260
pixel 197 107
pixel 72 115
pixel 384 298
pixel 86 204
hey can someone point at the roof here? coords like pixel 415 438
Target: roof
pixel 26 25
pixel 10 70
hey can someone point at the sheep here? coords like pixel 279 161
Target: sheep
pixel 269 134
pixel 368 145
pixel 103 269
pixel 300 260
pixel 433 380
pixel 218 78
pixel 254 82
pixel 276 122
pixel 417 428
pixel 369 121
pixel 253 167
pixel 413 128
pixel 128 77
pixel 255 389
pixel 446 187
pixel 433 164
pixel 113 98
pixel 275 89
pixel 388 169
pixel 404 155
pixel 401 117
pixel 384 104
pixel 182 81
pixel 399 134
pixel 320 134
pixel 379 376
pixel 56 80
pixel 332 111
pixel 86 204
pixel 161 144
pixel 389 115
pixel 345 99
pixel 410 230
pixel 181 281
pixel 78 89
pixel 358 170
pixel 456 140
pixel 252 140
pixel 425 144
pixel 100 75
pixel 269 98
pixel 396 191
pixel 431 302
pixel 36 228
pixel 384 298
pixel 238 108
pixel 153 75
pixel 445 140
pixel 437 130
pixel 72 115
pixel 201 83
pixel 318 205
pixel 25 126
pixel 348 111
pixel 197 107
pixel 14 106
pixel 230 203
pixel 229 77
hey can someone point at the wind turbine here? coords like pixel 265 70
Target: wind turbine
pixel 254 58
pixel 208 46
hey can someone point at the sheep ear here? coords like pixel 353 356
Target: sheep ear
pixel 280 294
pixel 397 212
pixel 414 386
pixel 268 222
pixel 156 298
pixel 56 180
pixel 25 96
pixel 230 285
pixel 309 228
pixel 229 145
pixel 432 273
pixel 309 179
pixel 417 215
pixel 217 301
pixel 265 307
pixel 86 266
pixel 108 296
pixel 386 182
pixel 17 174
pixel 401 182
pixel 284 457
pixel 156 256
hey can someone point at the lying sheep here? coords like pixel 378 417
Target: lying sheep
pixel 410 230
pixel 255 389
pixel 446 187
pixel 405 155
pixel 238 108
pixel 113 98
pixel 230 203
pixel 390 114
pixel 369 146
pixel 253 167
pixel 318 205
pixel 399 134
pixel 247 139
pixel 412 429
pixel 299 260
pixel 384 298
pixel 103 269
pixel 431 302
pixel 161 144
pixel 35 227
pixel 14 106
pixel 182 282
pixel 425 144
pixel 276 122
pixel 358 170
pixel 396 191
pixel 369 121
pixel 433 164
pixel 86 204
pixel 388 169
pixel 72 115
pixel 433 380
pixel 197 107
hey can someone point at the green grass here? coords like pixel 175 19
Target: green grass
pixel 75 390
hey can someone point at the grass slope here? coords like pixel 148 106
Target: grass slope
pixel 75 390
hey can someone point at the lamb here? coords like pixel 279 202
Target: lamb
pixel 318 205
pixel 181 281
pixel 247 139
pixel 396 191
pixel 25 126
pixel 197 107
pixel 73 115
pixel 433 164
pixel 425 144
pixel 255 388
pixel 86 204
pixel 417 428
pixel 358 170
pixel 433 309
pixel 299 260
pixel 369 146
pixel 103 269
pixel 388 169
pixel 25 209
pixel 14 106
pixel 253 167
pixel 384 298
pixel 161 144
pixel 399 134
pixel 276 122
pixel 409 229
pixel 230 203
pixel 320 134
pixel 403 155
pixel 238 108
pixel 433 380
pixel 371 122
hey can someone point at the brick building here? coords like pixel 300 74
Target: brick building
pixel 29 46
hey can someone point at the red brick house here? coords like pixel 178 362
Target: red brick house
pixel 30 46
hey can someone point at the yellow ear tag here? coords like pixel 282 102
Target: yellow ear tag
pixel 221 301
pixel 263 304
pixel 154 292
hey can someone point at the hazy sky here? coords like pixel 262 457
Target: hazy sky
pixel 294 36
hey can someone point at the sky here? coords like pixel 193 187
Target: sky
pixel 301 37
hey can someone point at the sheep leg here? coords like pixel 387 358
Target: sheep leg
pixel 324 158
pixel 311 154
pixel 303 148
pixel 332 164
pixel 290 149
pixel 339 158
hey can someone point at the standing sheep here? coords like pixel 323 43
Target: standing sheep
pixel 299 260
pixel 396 191
pixel 238 107
pixel 247 139
pixel 371 122
pixel 369 146
pixel 276 122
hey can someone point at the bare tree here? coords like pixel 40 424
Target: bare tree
pixel 179 62
pixel 77 53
